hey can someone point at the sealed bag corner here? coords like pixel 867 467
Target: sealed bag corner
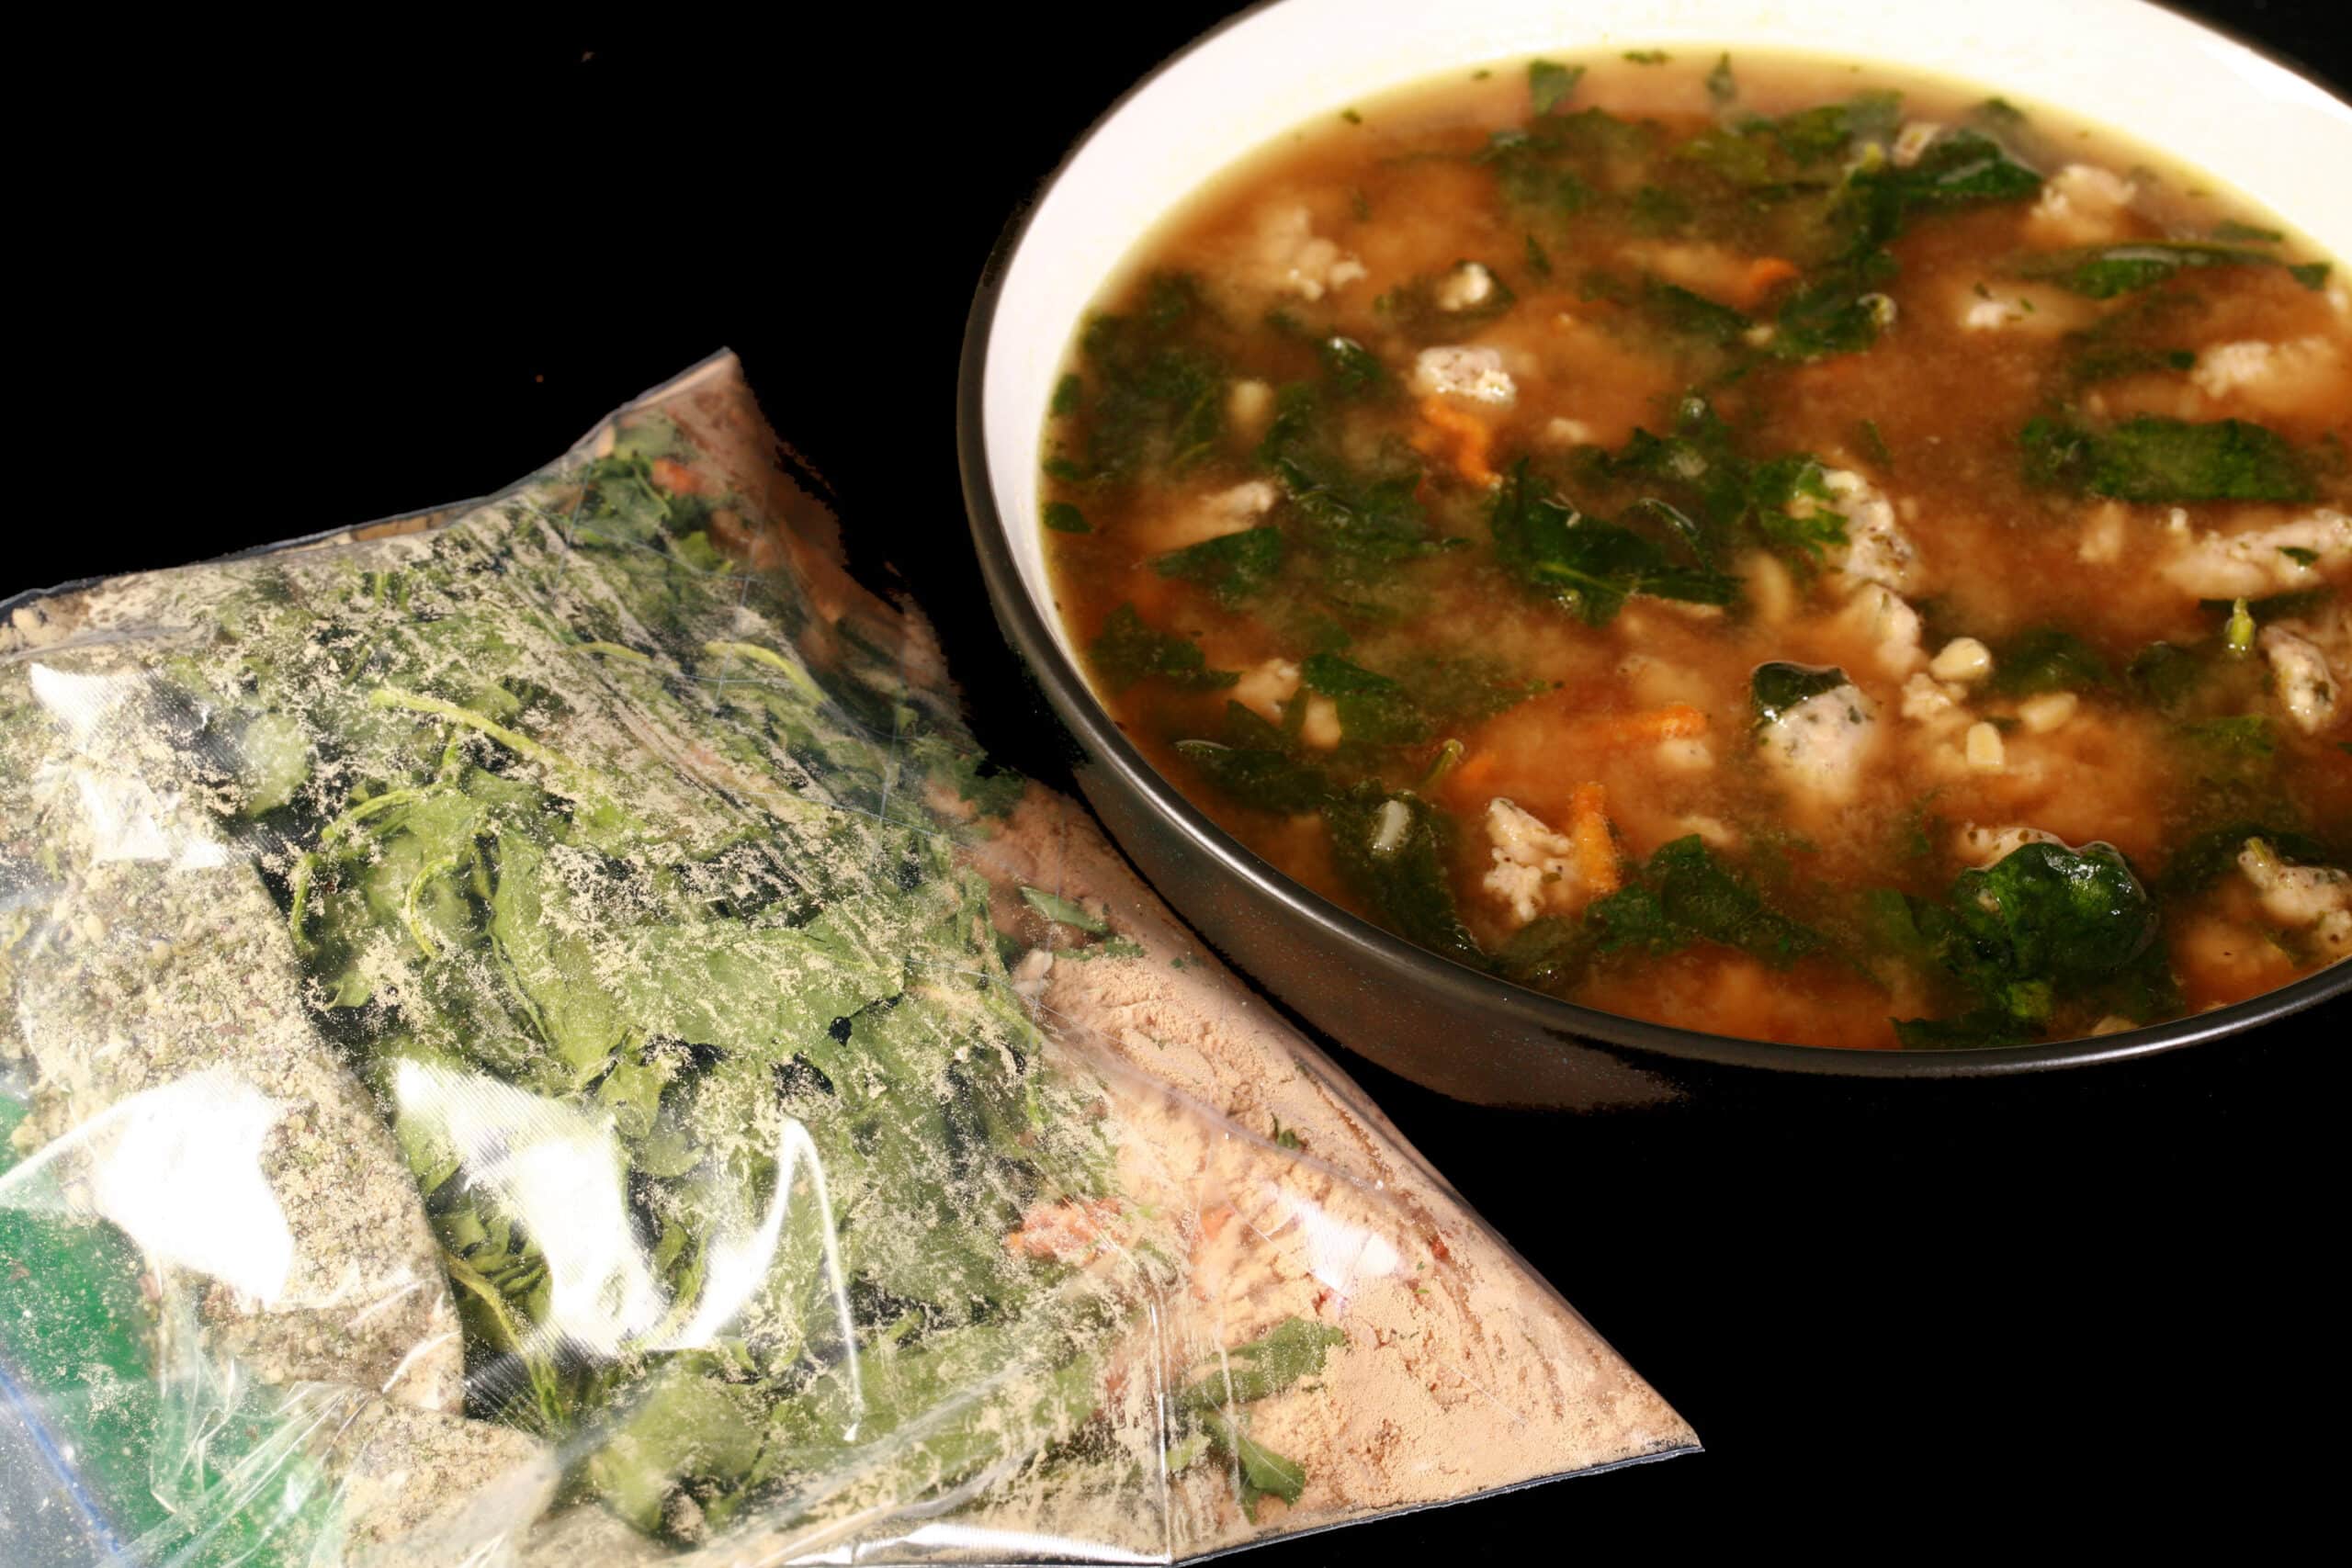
pixel 533 1034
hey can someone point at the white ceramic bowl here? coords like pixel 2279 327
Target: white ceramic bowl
pixel 2209 104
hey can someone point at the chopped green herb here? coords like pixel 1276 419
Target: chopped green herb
pixel 1064 518
pixel 2166 674
pixel 1061 912
pixel 1647 56
pixel 1352 369
pixel 1068 393
pixel 1721 86
pixel 1874 445
pixel 1539 260
pixel 1550 85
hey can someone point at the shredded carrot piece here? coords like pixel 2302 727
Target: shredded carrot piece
pixel 1212 1222
pixel 1765 273
pixel 1675 721
pixel 676 478
pixel 1589 831
pixel 1067 1232
pixel 1471 770
pixel 1465 437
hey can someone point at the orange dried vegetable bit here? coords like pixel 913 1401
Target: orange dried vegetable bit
pixel 1764 274
pixel 676 477
pixel 1675 721
pixel 1471 771
pixel 1067 1231
pixel 1463 438
pixel 1589 833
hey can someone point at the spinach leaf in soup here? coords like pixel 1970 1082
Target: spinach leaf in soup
pixel 1361 522
pixel 1550 85
pixel 1391 849
pixel 2044 926
pixel 1265 779
pixel 1374 709
pixel 1128 649
pixel 1153 393
pixel 2047 659
pixel 1683 894
pixel 2148 458
pixel 1777 687
pixel 1587 566
pixel 1232 567
pixel 2105 272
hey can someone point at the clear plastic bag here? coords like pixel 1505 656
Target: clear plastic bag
pixel 532 1035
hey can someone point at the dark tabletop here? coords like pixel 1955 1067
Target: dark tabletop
pixel 322 281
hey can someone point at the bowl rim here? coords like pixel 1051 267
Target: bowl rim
pixel 1477 993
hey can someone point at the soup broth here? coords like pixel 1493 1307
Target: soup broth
pixel 1755 545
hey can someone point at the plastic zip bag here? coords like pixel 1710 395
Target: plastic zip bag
pixel 534 1035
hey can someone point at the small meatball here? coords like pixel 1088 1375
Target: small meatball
pixel 1535 868
pixel 1990 846
pixel 1471 375
pixel 1292 259
pixel 1877 549
pixel 1820 747
pixel 2304 376
pixel 2293 894
pixel 2258 561
pixel 1465 288
pixel 2018 309
pixel 1934 703
pixel 2081 205
pixel 1213 516
pixel 2306 686
pixel 1889 626
pixel 1264 688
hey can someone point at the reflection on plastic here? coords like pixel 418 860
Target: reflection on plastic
pixel 558 1172
pixel 178 1167
pixel 126 818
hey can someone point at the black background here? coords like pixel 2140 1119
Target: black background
pixel 289 282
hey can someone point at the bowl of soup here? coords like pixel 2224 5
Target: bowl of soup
pixel 1596 550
